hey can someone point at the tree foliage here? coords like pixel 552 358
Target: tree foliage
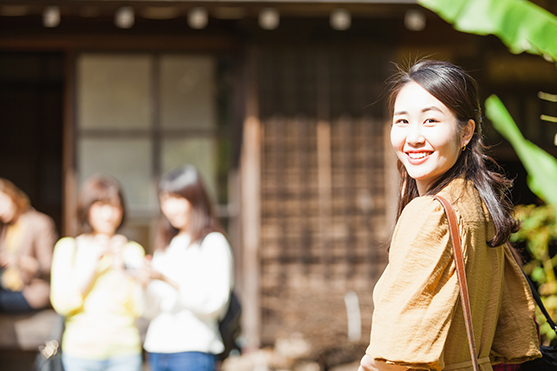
pixel 521 25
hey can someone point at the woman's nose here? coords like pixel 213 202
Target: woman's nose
pixel 107 211
pixel 415 134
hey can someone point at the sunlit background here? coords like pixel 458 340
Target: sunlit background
pixel 280 105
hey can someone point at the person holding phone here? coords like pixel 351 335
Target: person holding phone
pixel 99 298
pixel 192 276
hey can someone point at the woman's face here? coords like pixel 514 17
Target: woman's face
pixel 177 210
pixel 105 218
pixel 7 208
pixel 425 135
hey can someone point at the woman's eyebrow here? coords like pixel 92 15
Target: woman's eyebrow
pixel 426 109
pixel 432 108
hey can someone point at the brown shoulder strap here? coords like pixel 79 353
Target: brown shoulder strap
pixel 461 274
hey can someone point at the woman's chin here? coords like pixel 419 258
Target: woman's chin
pixel 178 225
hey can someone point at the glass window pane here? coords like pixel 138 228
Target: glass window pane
pixel 114 91
pixel 128 160
pixel 187 92
pixel 199 152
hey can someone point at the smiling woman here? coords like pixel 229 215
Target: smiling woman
pixel 93 286
pixel 418 321
pixel 426 135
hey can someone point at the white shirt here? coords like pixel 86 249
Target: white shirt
pixel 187 320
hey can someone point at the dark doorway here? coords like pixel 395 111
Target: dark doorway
pixel 31 107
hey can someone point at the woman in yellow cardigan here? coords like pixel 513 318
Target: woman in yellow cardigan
pixel 92 287
pixel 418 323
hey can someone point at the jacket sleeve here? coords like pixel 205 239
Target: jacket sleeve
pixel 208 296
pixel 44 240
pixel 65 295
pixel 417 294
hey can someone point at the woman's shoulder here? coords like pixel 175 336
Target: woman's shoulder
pixel 466 200
pixel 420 230
pixel 65 243
pixel 460 192
pixel 422 207
pixel 36 219
pixel 422 215
pixel 215 238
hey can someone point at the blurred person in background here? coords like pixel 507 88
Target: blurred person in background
pixel 192 276
pixel 95 287
pixel 27 238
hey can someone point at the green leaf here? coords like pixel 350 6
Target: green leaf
pixel 541 166
pixel 538 275
pixel 521 25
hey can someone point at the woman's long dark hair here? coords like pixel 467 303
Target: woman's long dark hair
pixel 457 90
pixel 186 182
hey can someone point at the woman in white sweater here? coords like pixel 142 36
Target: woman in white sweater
pixel 191 277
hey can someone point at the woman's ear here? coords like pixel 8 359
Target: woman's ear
pixel 467 132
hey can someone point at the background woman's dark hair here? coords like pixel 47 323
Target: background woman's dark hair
pixel 98 188
pixel 186 182
pixel 457 90
pixel 19 198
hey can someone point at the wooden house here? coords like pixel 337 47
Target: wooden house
pixel 280 104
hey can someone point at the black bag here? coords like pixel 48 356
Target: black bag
pixel 548 362
pixel 229 326
pixel 49 356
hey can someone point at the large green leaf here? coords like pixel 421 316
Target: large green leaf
pixel 541 166
pixel 521 25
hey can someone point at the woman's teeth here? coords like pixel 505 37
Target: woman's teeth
pixel 417 155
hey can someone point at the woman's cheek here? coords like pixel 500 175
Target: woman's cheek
pixel 397 141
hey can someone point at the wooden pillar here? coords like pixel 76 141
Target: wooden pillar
pixel 69 181
pixel 392 180
pixel 324 159
pixel 325 191
pixel 250 172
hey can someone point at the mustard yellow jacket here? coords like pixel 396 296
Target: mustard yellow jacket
pixel 418 320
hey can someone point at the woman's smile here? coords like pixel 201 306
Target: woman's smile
pixel 425 135
pixel 418 157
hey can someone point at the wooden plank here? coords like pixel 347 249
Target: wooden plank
pixel 250 165
pixel 324 186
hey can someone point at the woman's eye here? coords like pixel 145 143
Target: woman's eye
pixel 431 121
pixel 401 121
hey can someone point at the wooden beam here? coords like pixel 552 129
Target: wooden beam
pixel 69 181
pixel 119 43
pixel 201 2
pixel 250 168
